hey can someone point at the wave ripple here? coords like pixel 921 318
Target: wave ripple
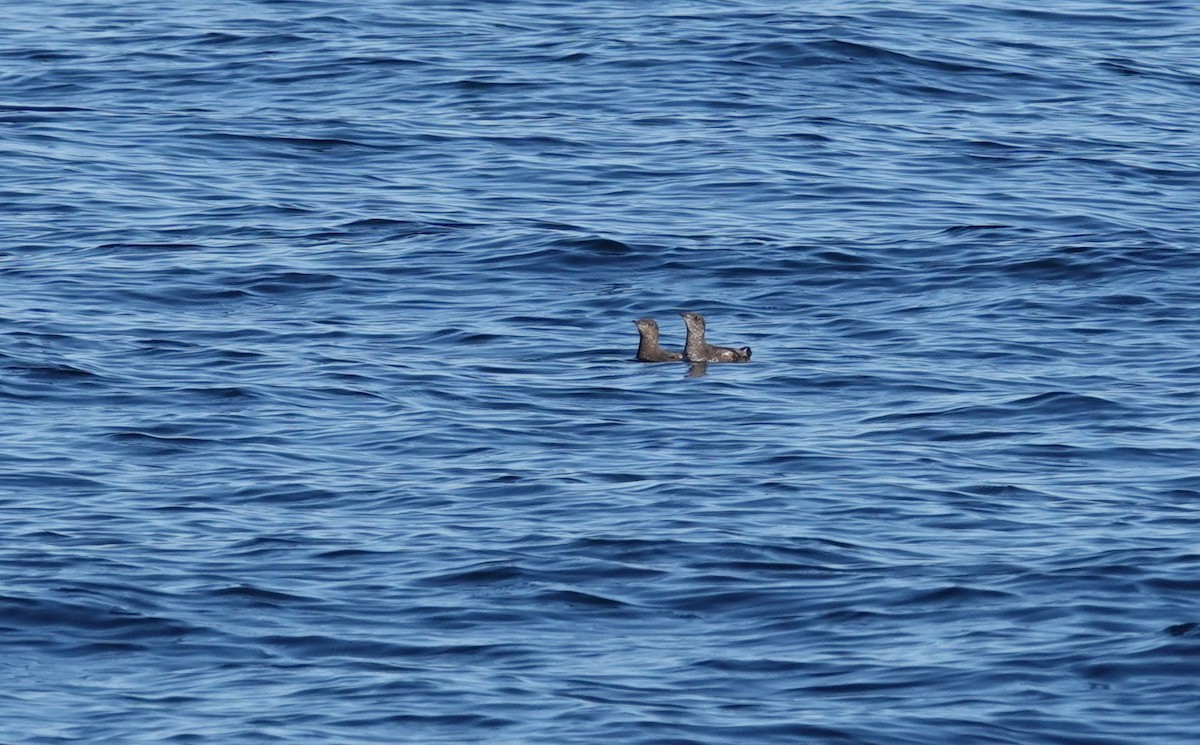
pixel 320 422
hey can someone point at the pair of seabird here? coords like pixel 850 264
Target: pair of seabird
pixel 695 349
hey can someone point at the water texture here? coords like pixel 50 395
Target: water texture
pixel 319 420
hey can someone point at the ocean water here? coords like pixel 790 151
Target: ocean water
pixel 319 420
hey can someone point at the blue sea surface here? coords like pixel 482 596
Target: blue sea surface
pixel 320 423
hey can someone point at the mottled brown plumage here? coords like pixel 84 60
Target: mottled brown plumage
pixel 696 349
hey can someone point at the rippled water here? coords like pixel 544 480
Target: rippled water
pixel 320 421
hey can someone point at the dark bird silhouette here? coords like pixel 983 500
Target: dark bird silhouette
pixel 648 348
